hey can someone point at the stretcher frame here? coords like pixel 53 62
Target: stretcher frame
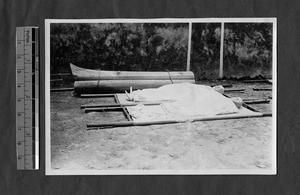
pixel 117 106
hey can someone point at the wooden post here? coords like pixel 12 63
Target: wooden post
pixel 221 51
pixel 188 67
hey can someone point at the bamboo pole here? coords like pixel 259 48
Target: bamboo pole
pixel 103 109
pixel 56 80
pixel 188 67
pixel 61 74
pixel 221 50
pixel 256 101
pixel 115 107
pixel 116 99
pixel 256 81
pixel 96 95
pixel 126 113
pixel 145 123
pixel 61 89
pixel 82 74
pixel 121 105
pixel 224 85
pixel 114 86
pixel 230 90
pixel 262 89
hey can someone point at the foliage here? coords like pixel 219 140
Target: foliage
pixel 247 49
pixel 161 46
pixel 119 46
pixel 248 46
pixel 205 49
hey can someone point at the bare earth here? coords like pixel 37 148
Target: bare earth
pixel 222 144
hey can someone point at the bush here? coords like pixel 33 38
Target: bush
pixel 119 46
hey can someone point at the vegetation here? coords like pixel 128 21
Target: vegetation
pixel 119 46
pixel 163 46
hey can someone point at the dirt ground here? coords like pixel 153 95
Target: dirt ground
pixel 223 144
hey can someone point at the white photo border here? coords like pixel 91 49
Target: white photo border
pixel 272 171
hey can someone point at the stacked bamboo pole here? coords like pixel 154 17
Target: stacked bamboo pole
pixel 99 81
pixel 115 86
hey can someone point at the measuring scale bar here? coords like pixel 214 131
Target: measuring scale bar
pixel 27 98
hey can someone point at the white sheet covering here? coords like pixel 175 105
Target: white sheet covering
pixel 189 101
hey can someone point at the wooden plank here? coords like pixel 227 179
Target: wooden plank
pixel 61 89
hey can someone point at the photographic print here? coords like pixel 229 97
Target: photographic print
pixel 161 96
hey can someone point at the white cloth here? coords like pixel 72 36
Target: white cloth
pixel 188 101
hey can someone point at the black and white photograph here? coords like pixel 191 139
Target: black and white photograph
pixel 189 96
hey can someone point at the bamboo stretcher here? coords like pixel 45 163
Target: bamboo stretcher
pixel 130 122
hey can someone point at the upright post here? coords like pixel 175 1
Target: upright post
pixel 188 67
pixel 221 50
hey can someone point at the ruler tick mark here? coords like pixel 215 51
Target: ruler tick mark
pixel 27 65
